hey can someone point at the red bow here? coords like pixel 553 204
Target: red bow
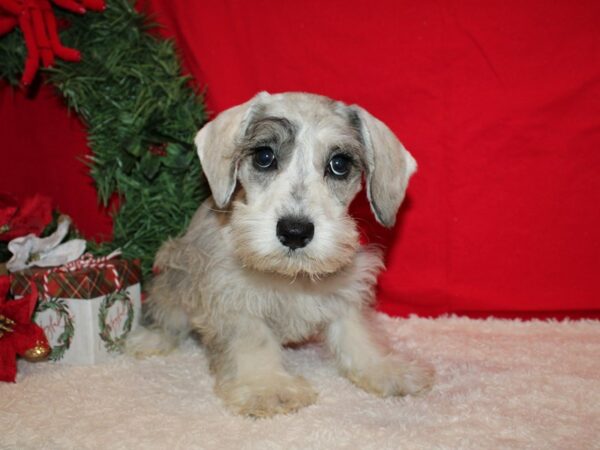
pixel 38 24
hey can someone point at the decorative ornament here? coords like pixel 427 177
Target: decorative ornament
pixel 30 250
pixel 141 115
pixel 38 25
pixel 60 308
pixel 18 334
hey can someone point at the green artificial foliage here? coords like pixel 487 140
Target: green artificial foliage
pixel 141 115
pixel 12 56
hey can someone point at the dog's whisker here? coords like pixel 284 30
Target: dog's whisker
pixel 221 211
pixel 285 262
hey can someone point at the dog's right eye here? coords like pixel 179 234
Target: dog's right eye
pixel 264 158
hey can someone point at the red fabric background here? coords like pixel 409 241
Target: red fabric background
pixel 498 101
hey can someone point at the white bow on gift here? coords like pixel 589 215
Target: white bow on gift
pixel 30 250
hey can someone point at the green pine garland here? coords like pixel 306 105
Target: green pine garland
pixel 141 116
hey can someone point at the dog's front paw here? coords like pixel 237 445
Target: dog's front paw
pixel 267 397
pixel 394 377
pixel 145 342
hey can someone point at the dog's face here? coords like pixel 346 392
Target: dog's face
pixel 290 164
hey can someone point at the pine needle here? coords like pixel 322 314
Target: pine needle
pixel 141 115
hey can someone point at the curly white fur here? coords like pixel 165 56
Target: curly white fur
pixel 232 280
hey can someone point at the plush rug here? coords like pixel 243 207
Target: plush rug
pixel 500 385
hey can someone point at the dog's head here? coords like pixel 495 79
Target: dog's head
pixel 288 165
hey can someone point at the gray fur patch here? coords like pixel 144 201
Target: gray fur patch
pixel 277 133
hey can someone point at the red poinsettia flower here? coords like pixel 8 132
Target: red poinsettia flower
pixel 18 334
pixel 32 216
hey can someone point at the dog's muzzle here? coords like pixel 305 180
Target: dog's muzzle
pixel 295 232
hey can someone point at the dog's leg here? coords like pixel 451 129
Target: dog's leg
pixel 250 377
pixel 367 363
pixel 165 320
pixel 167 325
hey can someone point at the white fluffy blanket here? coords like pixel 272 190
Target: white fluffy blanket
pixel 500 385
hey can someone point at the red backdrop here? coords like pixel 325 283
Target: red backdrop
pixel 499 102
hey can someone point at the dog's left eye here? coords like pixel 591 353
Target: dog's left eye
pixel 264 158
pixel 339 166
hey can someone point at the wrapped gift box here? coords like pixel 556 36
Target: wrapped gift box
pixel 86 312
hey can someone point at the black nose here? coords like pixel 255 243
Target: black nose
pixel 295 232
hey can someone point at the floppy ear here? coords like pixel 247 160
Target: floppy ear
pixel 388 167
pixel 216 144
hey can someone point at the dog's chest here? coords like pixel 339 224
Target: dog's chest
pixel 295 314
pixel 298 317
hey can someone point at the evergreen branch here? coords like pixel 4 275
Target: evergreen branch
pixel 141 115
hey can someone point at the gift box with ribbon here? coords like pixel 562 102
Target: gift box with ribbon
pixel 86 307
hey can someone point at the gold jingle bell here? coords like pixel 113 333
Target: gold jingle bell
pixel 37 353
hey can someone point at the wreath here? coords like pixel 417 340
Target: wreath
pixel 62 311
pixel 111 343
pixel 141 116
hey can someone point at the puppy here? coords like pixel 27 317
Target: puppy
pixel 273 256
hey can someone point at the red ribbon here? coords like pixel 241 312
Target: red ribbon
pixel 86 261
